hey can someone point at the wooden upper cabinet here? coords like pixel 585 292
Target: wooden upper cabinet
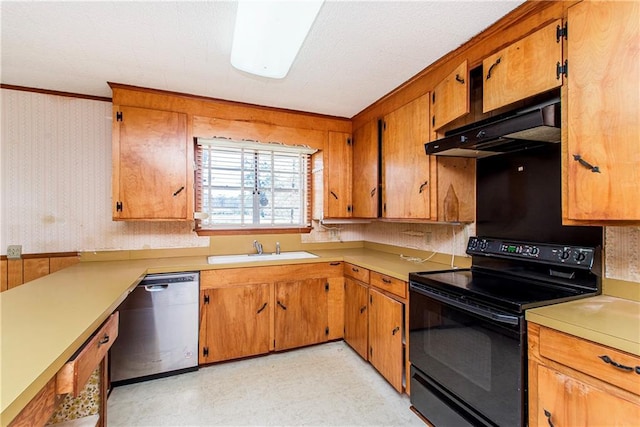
pixel 365 171
pixel 603 114
pixel 522 69
pixel 150 165
pixel 453 197
pixel 405 168
pixel 450 98
pixel 337 173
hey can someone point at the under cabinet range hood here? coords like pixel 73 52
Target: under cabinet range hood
pixel 509 132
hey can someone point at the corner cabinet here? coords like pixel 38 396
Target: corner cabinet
pixel 523 69
pixel 337 198
pixel 575 382
pixel 365 171
pixel 405 165
pixel 602 161
pixel 151 179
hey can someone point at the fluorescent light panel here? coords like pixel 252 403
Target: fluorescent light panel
pixel 269 34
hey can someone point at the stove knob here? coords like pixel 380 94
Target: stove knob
pixel 580 256
pixel 483 245
pixel 565 254
pixel 535 251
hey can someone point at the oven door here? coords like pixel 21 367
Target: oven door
pixel 469 360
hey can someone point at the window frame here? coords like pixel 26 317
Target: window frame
pixel 252 146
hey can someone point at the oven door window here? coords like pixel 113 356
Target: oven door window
pixel 477 360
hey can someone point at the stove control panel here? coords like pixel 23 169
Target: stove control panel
pixel 571 256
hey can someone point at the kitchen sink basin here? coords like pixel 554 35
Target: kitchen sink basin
pixel 230 259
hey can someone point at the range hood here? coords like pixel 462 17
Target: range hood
pixel 515 131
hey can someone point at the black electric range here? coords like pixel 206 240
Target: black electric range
pixel 467 329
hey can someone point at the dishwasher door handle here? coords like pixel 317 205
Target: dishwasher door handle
pixel 156 288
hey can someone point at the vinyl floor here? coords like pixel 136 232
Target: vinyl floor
pixel 323 385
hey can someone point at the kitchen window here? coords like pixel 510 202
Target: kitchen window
pixel 248 185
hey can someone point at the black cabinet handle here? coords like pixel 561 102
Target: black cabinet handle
pixel 354 269
pixel 395 330
pixel 105 339
pixel 334 195
pixel 362 309
pixel 178 191
pixel 282 306
pixel 424 184
pixel 334 263
pixel 492 67
pixel 578 158
pixel 459 79
pixel 548 415
pixel 373 192
pixel 387 281
pixel 262 308
pixel 638 370
pixel 607 359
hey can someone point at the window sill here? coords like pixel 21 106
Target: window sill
pixel 244 231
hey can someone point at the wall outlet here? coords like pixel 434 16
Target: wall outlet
pixel 14 251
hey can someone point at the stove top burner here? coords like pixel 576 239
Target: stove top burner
pixel 516 276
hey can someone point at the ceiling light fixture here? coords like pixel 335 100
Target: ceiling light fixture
pixel 269 34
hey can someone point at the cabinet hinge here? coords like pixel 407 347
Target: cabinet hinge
pixel 562 69
pixel 206 299
pixel 118 206
pixel 326 331
pixel 205 351
pixel 118 116
pixel 348 141
pixel 384 125
pixel 562 32
pixel 433 121
pixel 326 287
pixel 433 98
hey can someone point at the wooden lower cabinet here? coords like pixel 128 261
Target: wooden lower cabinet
pixel 234 322
pixel 386 330
pixel 356 316
pixel 567 401
pixel 301 313
pixel 571 385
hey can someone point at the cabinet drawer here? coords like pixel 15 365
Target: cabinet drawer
pixel 76 372
pixel 358 273
pixel 605 363
pixel 389 284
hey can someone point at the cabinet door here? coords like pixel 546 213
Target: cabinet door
pixel 338 175
pixel 365 171
pixel 405 164
pixel 385 337
pixel 564 401
pixel 522 69
pixel 450 97
pixel 234 322
pixel 300 313
pixel 149 164
pixel 356 315
pixel 455 183
pixel 603 112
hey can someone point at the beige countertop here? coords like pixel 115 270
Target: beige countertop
pixel 604 319
pixel 44 322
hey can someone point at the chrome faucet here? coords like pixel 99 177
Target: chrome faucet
pixel 278 248
pixel 258 247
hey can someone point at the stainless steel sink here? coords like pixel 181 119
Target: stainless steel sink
pixel 231 259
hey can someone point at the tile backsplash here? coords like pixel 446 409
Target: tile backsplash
pixel 55 178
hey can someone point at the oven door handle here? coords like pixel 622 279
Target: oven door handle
pixel 487 314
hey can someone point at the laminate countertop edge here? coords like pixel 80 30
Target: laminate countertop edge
pixel 603 319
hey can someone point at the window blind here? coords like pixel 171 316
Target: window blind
pixel 247 184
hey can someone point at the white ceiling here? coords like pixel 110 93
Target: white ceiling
pixel 356 51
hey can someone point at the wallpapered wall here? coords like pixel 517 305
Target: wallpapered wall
pixel 56 193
